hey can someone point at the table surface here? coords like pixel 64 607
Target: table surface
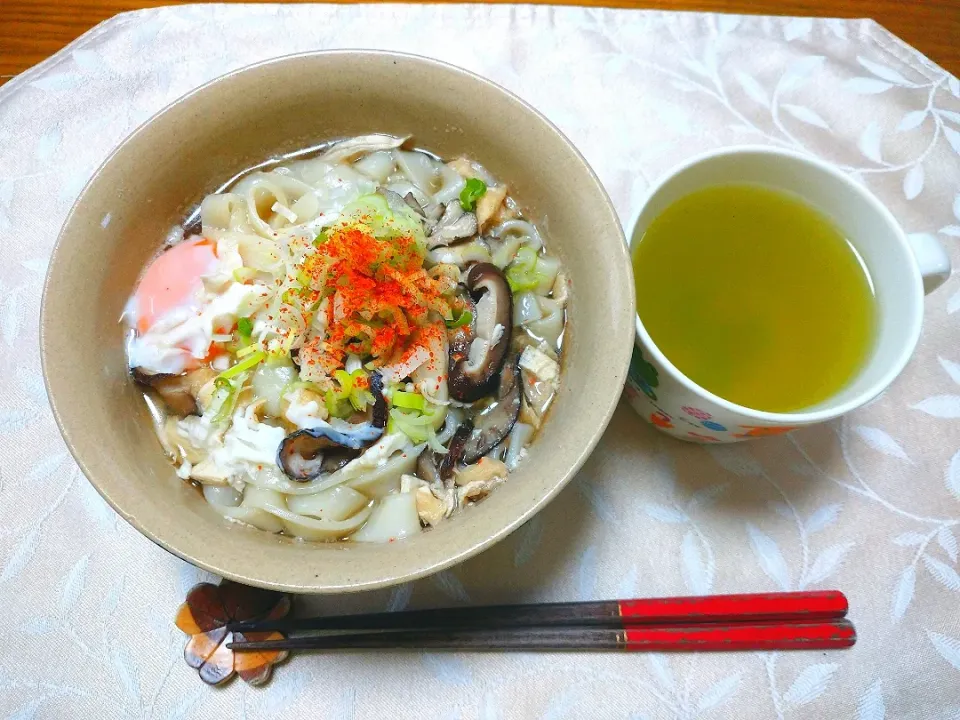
pixel 870 505
pixel 31 30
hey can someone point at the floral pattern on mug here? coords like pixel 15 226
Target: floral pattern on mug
pixel 753 431
pixel 697 413
pixel 661 419
pixel 642 375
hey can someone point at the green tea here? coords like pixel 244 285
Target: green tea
pixel 755 296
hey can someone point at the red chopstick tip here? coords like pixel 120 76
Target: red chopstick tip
pixel 833 635
pixel 759 607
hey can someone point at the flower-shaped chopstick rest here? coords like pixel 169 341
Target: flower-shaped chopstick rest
pixel 204 617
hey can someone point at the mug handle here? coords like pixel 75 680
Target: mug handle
pixel 932 259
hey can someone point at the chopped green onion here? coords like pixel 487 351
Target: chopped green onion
pixel 304 279
pixel 244 351
pixel 464 318
pixel 245 327
pixel 301 385
pixel 409 424
pixel 416 425
pixel 472 191
pixel 295 296
pixel 434 442
pixel 522 273
pixel 346 383
pixel 251 362
pixel 276 354
pixel 360 398
pixel 330 400
pixel 229 393
pixel 336 406
pixel 321 238
pixel 525 259
pixel 242 274
pixel 411 401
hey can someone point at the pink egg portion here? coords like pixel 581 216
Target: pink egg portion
pixel 173 280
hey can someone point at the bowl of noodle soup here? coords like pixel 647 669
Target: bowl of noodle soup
pixel 342 333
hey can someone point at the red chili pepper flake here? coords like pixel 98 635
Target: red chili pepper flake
pixel 379 295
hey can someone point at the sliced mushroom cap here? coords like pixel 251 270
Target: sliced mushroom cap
pixel 429 214
pixel 473 376
pixel 427 468
pixel 349 149
pixel 460 338
pixel 455 450
pixel 455 224
pixel 379 413
pixel 333 460
pixel 179 392
pixel 397 202
pixel 432 212
pixel 493 424
pixel 412 203
pixel 304 454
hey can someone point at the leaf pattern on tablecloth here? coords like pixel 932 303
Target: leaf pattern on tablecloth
pixel 869 504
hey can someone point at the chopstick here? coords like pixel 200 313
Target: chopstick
pixel 758 608
pixel 835 634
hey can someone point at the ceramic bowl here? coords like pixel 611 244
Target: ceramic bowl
pixel 158 174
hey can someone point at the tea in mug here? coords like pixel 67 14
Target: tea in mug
pixel 755 296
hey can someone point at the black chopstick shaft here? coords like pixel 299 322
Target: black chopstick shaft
pixel 601 614
pixel 833 634
pixel 452 639
pixel 760 608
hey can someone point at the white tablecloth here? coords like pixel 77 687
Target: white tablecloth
pixel 870 504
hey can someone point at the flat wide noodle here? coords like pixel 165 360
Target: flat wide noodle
pixel 282 433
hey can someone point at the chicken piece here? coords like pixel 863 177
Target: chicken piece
pixel 179 444
pixel 206 394
pixel 541 380
pixel 561 288
pixel 410 483
pixel 208 473
pixel 463 167
pixel 489 204
pixel 430 508
pixel 483 470
pixel 179 392
pixel 477 490
pixel 541 365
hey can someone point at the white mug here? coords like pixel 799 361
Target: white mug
pixel 902 270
